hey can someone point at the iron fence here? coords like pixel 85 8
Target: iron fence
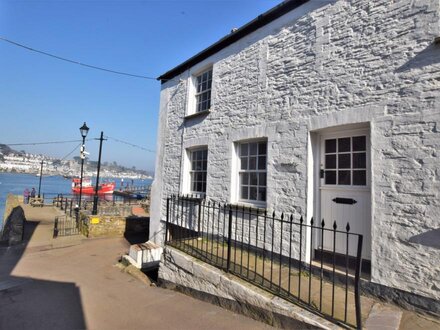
pixel 66 226
pixel 313 265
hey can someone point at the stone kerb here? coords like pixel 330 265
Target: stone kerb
pixel 188 275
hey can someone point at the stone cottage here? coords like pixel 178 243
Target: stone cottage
pixel 329 109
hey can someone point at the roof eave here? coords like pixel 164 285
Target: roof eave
pixel 262 20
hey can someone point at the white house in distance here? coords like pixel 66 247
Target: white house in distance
pixel 329 109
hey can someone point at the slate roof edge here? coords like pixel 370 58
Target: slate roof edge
pixel 262 20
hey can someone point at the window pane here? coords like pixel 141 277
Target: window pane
pixel 360 160
pixel 359 143
pixel 253 193
pixel 253 179
pixel 262 148
pixel 344 161
pixel 330 146
pixel 252 163
pixel 253 148
pixel 244 149
pixel 330 177
pixel 200 176
pixel 344 144
pixel 199 165
pixel 262 162
pixel 360 178
pixel 204 82
pixel 344 177
pixel 244 192
pixel 262 194
pixel 244 163
pixel 262 179
pixel 244 178
pixel 330 161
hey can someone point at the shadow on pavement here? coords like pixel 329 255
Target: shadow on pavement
pixel 28 303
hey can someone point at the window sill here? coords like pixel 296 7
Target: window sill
pixel 261 207
pixel 193 197
pixel 197 114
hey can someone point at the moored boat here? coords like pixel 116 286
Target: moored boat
pixel 89 189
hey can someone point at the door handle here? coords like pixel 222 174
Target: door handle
pixel 340 200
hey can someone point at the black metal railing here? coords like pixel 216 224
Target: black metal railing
pixel 312 265
pixel 65 226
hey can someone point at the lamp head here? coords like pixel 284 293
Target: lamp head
pixel 84 130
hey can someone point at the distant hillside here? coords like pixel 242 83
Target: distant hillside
pixel 6 150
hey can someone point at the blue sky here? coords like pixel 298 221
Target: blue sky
pixel 44 99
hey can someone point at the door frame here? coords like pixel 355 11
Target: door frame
pixel 314 181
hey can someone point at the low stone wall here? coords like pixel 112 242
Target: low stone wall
pixel 11 202
pixel 13 222
pixel 103 226
pixel 188 275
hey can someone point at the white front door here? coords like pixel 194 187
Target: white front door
pixel 345 189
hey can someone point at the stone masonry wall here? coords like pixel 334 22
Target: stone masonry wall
pixel 333 63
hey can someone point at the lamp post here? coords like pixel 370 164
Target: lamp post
pixel 84 130
pixel 41 175
pixel 95 198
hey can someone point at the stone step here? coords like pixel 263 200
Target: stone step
pixel 383 317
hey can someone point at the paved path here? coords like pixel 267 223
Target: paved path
pixel 71 283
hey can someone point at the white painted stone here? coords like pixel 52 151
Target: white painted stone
pixel 214 282
pixel 325 64
pixel 145 255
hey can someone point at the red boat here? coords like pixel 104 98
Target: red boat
pixel 89 189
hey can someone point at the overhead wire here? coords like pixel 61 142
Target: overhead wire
pixel 71 141
pixel 76 62
pixel 71 152
pixel 129 143
pixel 39 143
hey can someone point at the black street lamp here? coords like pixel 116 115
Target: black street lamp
pixel 95 198
pixel 41 175
pixel 84 130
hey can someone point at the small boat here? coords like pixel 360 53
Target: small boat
pixel 89 189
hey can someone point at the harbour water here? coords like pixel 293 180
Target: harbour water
pixel 50 186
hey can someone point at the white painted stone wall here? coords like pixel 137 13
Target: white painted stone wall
pixel 325 64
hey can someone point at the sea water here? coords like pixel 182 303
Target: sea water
pixel 51 186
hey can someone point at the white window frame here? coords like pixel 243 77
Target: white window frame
pixel 236 196
pixel 193 94
pixel 188 169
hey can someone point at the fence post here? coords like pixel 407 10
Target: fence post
pixel 168 219
pixel 357 275
pixel 198 218
pixel 55 228
pixel 228 260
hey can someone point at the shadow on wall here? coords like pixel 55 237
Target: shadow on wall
pixel 429 56
pixel 27 303
pixel 430 238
